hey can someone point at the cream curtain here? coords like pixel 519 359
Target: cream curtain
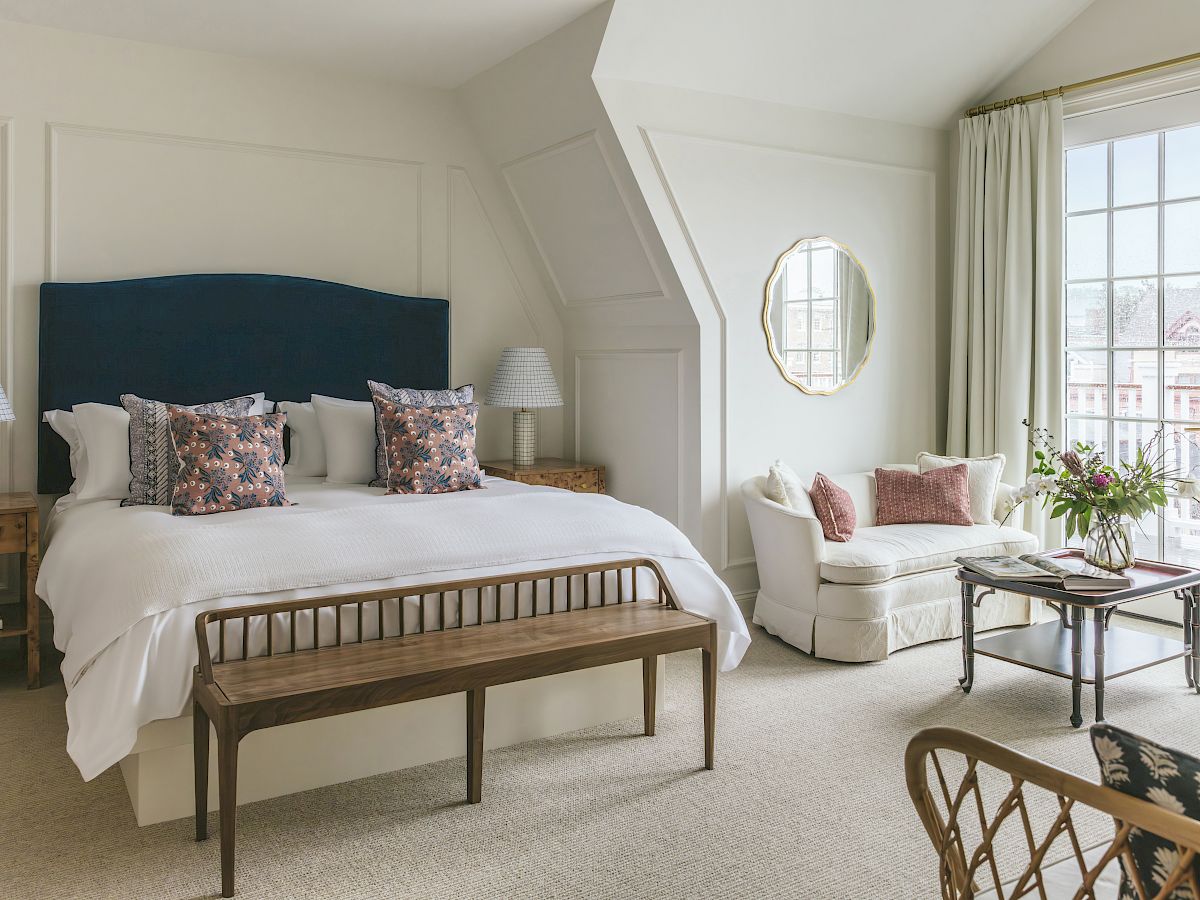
pixel 1006 337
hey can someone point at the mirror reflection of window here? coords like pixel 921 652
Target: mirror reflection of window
pixel 820 315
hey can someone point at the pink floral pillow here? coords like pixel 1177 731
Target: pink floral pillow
pixel 226 462
pixel 429 449
pixel 834 507
pixel 938 497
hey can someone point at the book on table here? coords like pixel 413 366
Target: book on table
pixel 1034 569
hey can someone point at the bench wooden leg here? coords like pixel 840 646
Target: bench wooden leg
pixel 649 692
pixel 200 738
pixel 227 757
pixel 710 697
pixel 475 701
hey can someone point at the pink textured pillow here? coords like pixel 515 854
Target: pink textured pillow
pixel 938 497
pixel 429 449
pixel 834 507
pixel 226 462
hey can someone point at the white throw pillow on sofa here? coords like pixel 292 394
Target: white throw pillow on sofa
pixel 785 487
pixel 983 479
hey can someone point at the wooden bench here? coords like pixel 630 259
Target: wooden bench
pixel 316 661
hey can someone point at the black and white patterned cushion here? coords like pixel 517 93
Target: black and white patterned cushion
pixel 153 463
pixel 410 397
pixel 1164 777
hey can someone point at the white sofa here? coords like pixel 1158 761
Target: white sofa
pixel 888 587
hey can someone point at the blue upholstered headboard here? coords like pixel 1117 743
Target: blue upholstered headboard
pixel 195 338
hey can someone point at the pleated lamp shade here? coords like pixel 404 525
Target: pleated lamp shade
pixel 6 413
pixel 523 380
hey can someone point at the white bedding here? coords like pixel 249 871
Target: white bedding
pixel 125 584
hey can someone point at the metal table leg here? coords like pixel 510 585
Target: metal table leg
pixel 1195 650
pixel 968 637
pixel 1099 619
pixel 1189 609
pixel 1077 616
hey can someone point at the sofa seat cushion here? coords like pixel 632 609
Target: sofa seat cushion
pixel 882 552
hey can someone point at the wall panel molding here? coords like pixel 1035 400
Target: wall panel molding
pixel 652 139
pixel 630 358
pixel 460 174
pixel 566 296
pixel 7 288
pixel 57 130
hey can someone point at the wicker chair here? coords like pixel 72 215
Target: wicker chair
pixel 967 834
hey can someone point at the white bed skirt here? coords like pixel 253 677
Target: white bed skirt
pixel 305 755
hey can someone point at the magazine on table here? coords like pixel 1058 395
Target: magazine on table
pixel 1034 569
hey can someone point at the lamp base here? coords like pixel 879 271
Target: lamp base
pixel 524 437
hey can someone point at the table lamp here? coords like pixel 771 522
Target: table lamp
pixel 524 381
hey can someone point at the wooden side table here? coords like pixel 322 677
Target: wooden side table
pixel 583 478
pixel 19 534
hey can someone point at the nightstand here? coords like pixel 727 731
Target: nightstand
pixel 19 534
pixel 583 478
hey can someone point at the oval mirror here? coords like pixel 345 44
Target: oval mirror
pixel 819 315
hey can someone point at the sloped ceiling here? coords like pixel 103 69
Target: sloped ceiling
pixel 918 62
pixel 436 43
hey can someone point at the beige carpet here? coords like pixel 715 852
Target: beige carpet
pixel 808 798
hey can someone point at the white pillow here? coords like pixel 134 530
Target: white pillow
pixel 983 479
pixel 306 448
pixel 785 487
pixel 64 425
pixel 104 433
pixel 348 432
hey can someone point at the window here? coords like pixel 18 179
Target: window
pixel 812 310
pixel 1132 305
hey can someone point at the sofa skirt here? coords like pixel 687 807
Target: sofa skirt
pixel 874 638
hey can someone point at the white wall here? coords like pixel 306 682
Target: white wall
pixel 1108 36
pixel 120 159
pixel 733 182
pixel 631 368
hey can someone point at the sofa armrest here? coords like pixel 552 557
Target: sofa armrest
pixel 788 547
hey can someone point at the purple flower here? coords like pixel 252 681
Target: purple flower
pixel 1101 480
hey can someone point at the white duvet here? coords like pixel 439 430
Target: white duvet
pixel 125 584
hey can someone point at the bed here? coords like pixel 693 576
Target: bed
pixel 125 584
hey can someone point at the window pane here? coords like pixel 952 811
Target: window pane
pixel 824 323
pixel 797 365
pixel 1087 178
pixel 1087 382
pixel 1135 383
pixel 1181 369
pixel 1087 246
pixel 1089 431
pixel 1181 304
pixel 1181 237
pixel 1135 241
pixel 1145 536
pixel 1130 436
pixel 824 273
pixel 797 276
pixel 1087 315
pixel 797 325
pixel 1182 163
pixel 1135 170
pixel 1135 313
pixel 1182 456
pixel 1182 527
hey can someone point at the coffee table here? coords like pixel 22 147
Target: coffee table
pixel 1066 649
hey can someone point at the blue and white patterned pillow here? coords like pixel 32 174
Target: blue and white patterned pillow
pixel 1164 777
pixel 153 464
pixel 409 397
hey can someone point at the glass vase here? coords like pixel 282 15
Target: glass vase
pixel 1108 544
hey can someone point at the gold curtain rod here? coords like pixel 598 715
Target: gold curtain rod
pixel 1081 85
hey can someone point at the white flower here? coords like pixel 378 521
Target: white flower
pixel 1164 798
pixel 1047 484
pixel 1023 493
pixel 1158 761
pixel 1111 760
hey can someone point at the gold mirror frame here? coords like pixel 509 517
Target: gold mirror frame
pixel 766 315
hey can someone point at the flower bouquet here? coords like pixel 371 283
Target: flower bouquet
pixel 1099 502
